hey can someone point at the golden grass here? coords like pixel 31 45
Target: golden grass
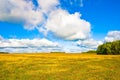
pixel 59 67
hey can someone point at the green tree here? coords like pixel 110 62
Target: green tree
pixel 115 47
pixel 100 49
pixel 109 48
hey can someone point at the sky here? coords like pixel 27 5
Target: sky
pixel 57 25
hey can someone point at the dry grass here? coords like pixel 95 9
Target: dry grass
pixel 59 67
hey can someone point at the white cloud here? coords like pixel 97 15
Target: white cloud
pixel 25 12
pixel 89 43
pixel 68 26
pixel 60 22
pixel 47 6
pixel 1 38
pixel 112 35
pixel 46 17
pixel 44 45
pixel 20 11
pixel 28 45
pixel 81 45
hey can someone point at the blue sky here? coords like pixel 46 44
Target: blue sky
pixel 63 25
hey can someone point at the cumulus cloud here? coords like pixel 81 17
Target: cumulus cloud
pixel 89 43
pixel 46 17
pixel 25 12
pixel 68 26
pixel 47 6
pixel 60 22
pixel 82 45
pixel 112 36
pixel 1 38
pixel 20 11
pixel 28 45
pixel 45 45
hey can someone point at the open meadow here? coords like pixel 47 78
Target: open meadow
pixel 59 67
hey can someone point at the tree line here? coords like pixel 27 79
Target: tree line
pixel 109 48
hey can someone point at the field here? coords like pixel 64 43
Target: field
pixel 59 67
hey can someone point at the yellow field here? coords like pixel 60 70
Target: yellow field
pixel 59 67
